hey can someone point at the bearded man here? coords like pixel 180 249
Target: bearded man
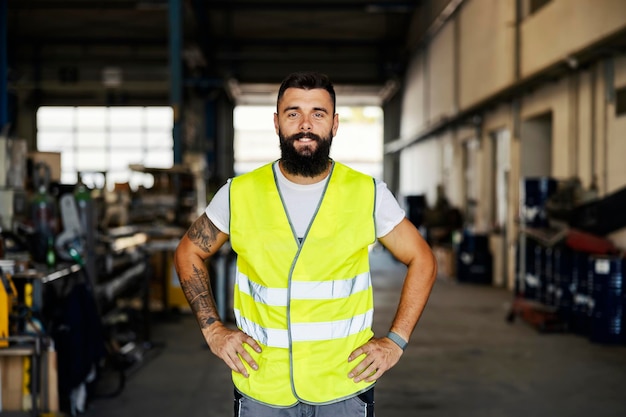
pixel 301 227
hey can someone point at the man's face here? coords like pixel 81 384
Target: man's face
pixel 305 124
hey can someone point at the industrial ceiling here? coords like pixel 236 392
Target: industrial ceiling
pixel 246 46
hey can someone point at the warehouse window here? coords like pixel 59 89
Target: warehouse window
pixel 97 140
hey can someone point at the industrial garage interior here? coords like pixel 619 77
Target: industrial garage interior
pixel 500 131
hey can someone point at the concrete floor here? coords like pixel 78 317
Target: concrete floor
pixel 464 360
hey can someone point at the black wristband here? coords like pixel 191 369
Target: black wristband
pixel 395 338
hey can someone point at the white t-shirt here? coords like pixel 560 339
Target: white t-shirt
pixel 302 201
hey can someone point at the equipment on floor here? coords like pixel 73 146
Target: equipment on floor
pixel 7 298
pixel 535 193
pixel 569 275
pixel 71 240
pixel 474 259
pixel 599 217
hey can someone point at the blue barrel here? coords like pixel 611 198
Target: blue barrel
pixel 539 278
pixel 607 300
pixel 562 278
pixel 530 280
pixel 548 287
pixel 579 287
pixel 534 195
pixel 474 259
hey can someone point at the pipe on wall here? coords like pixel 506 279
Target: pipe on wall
pixel 609 98
pixel 574 99
pixel 593 126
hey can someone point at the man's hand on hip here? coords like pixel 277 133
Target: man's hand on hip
pixel 228 345
pixel 380 356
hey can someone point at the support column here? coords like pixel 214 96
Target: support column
pixel 176 74
pixel 4 66
pixel 210 135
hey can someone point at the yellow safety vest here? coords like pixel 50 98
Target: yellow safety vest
pixel 308 304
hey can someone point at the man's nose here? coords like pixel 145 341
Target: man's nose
pixel 306 124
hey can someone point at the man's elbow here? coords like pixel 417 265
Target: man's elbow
pixel 432 267
pixel 181 253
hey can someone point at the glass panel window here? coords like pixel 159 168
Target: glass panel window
pixel 121 161
pixel 67 161
pixel 159 118
pixel 55 117
pixel 160 158
pixel 91 160
pixel 56 140
pixel 128 139
pixel 92 140
pixel 91 118
pixel 159 139
pixel 127 117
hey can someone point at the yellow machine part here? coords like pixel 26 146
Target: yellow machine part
pixel 7 296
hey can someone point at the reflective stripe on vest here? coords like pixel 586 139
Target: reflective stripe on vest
pixel 305 332
pixel 314 290
pixel 308 304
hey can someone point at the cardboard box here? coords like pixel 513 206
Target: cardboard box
pixel 13 163
pixel 52 159
pixel 15 382
pixel 446 261
pixel 12 378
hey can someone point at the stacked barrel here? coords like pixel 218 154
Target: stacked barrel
pixel 607 299
pixel 532 282
pixel 586 288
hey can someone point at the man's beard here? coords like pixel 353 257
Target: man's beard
pixel 307 162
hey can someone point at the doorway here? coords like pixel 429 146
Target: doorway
pixel 536 144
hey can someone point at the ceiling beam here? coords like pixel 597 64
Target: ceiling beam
pixel 330 5
pixel 86 5
pixel 367 6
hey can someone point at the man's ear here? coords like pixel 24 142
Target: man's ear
pixel 335 124
pixel 276 122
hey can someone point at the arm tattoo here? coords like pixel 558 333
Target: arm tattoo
pixel 203 233
pixel 197 289
pixel 202 294
pixel 210 321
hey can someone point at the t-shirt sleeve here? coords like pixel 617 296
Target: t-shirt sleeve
pixel 218 210
pixel 388 213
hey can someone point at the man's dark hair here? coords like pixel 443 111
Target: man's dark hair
pixel 307 81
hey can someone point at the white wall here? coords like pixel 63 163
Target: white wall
pixel 486 46
pixel 421 170
pixel 414 113
pixel 564 27
pixel 441 86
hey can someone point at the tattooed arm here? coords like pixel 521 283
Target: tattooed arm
pixel 202 241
